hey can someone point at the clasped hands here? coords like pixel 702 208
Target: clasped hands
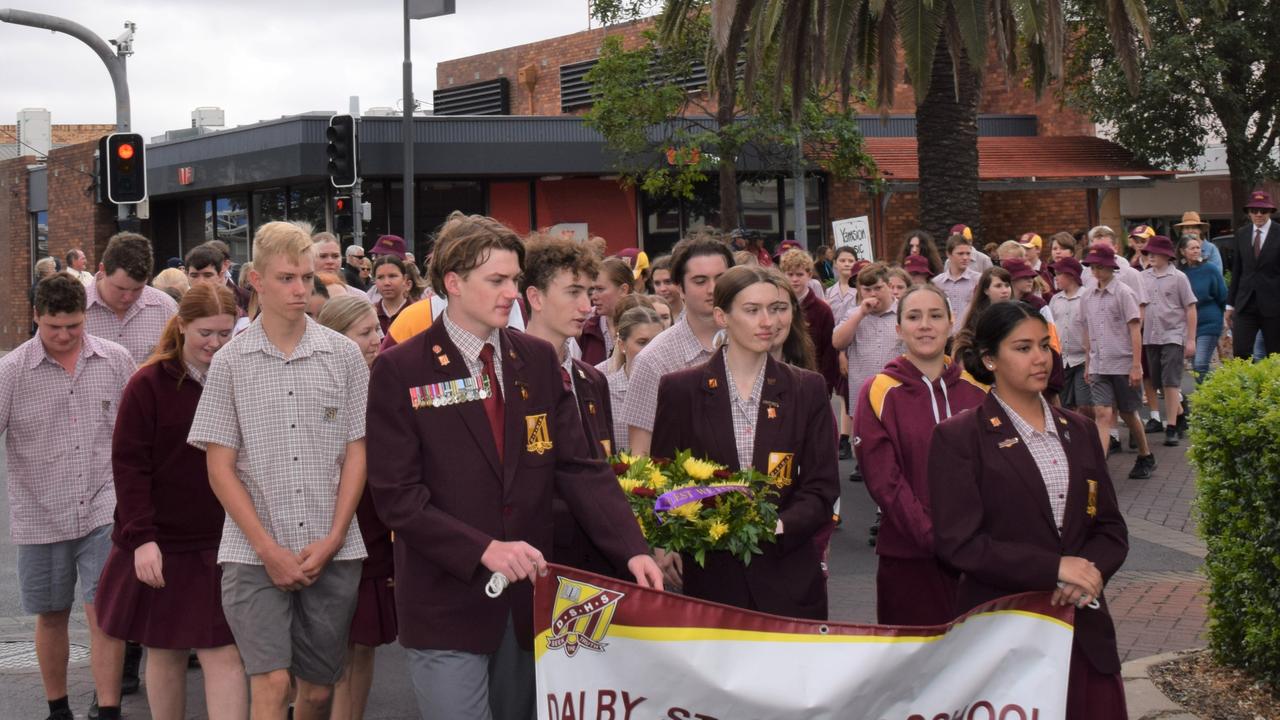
pixel 1079 582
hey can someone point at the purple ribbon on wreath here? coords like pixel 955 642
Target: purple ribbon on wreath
pixel 673 499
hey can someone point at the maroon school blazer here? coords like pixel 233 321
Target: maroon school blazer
pixel 992 520
pixel 795 417
pixel 442 489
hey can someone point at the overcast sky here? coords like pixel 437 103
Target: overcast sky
pixel 256 59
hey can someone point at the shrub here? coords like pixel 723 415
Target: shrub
pixel 1235 450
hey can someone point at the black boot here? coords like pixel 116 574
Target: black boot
pixel 846 450
pixel 129 682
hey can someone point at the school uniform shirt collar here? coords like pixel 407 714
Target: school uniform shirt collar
pixel 254 339
pixel 687 342
pixel 469 345
pixel 1168 270
pixel 89 345
pixel 145 299
pixel 1022 426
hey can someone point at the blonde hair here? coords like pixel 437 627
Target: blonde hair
pixel 340 313
pixel 796 260
pixel 638 314
pixel 744 257
pixel 276 239
pixel 1011 249
pixel 172 278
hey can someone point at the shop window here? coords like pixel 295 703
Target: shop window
pixel 434 202
pixel 306 204
pixel 231 224
pixel 39 239
pixel 268 205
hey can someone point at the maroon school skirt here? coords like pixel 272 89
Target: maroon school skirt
pixel 374 623
pixel 1092 695
pixel 186 613
pixel 911 591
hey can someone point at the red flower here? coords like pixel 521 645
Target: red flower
pixel 643 492
pixel 710 502
pixel 620 468
pixel 722 474
pixel 661 462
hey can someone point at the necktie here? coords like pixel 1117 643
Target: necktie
pixel 564 377
pixel 493 403
pixel 1257 242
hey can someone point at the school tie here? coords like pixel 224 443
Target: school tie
pixel 493 403
pixel 564 378
pixel 1257 242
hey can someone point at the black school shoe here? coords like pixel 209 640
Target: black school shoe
pixel 1114 447
pixel 64 714
pixel 1153 426
pixel 1142 467
pixel 855 476
pixel 1171 436
pixel 846 450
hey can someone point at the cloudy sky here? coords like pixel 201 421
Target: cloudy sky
pixel 256 59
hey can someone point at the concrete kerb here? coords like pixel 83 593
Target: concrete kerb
pixel 1144 699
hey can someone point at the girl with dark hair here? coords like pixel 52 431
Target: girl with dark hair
pixel 841 296
pixel 995 285
pixel 742 409
pixel 1022 500
pixel 894 419
pixel 394 285
pixel 161 585
pixel 614 282
pixel 920 242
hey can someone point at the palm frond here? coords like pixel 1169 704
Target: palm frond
pixel 919 24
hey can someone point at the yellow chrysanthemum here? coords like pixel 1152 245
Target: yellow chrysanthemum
pixel 657 480
pixel 699 469
pixel 628 484
pixel 717 530
pixel 688 511
pixel 624 457
pixel 643 531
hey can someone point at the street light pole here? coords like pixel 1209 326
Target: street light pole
pixel 115 63
pixel 406 137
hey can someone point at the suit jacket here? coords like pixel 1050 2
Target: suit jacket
pixel 992 520
pixel 795 417
pixel 445 494
pixel 572 545
pixel 591 342
pixel 1255 282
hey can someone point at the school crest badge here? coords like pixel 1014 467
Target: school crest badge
pixel 580 616
pixel 537 435
pixel 780 468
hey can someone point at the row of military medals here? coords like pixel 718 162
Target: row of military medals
pixel 451 392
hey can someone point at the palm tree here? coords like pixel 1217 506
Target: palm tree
pixel 854 44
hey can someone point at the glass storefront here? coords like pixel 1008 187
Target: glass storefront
pixel 306 204
pixel 268 205
pixel 39 239
pixel 231 224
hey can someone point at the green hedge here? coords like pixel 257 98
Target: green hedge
pixel 1235 449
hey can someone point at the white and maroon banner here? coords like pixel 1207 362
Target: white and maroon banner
pixel 607 650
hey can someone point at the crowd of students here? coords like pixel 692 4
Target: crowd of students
pixel 305 468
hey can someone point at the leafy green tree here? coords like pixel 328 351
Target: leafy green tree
pixel 669 137
pixel 854 44
pixel 1212 72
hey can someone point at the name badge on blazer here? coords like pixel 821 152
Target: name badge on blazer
pixel 1006 444
pixel 780 467
pixel 537 434
pixel 1091 504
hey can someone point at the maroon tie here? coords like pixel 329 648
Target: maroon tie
pixel 493 403
pixel 564 377
pixel 1257 242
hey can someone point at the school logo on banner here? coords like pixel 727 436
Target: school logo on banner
pixel 580 616
pixel 539 437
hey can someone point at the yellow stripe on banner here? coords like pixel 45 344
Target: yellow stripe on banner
pixel 685 634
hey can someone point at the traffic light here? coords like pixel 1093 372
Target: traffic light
pixel 341 135
pixel 122 168
pixel 342 214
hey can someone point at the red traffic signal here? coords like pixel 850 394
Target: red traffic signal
pixel 125 151
pixel 122 168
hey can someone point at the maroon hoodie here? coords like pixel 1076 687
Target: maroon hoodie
pixel 893 424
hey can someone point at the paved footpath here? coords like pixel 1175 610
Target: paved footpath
pixel 1156 599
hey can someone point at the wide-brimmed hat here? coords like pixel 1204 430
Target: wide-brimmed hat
pixel 1018 269
pixel 1146 232
pixel 962 229
pixel 1191 218
pixel 1068 266
pixel 1029 240
pixel 388 245
pixel 1160 245
pixel 1260 200
pixel 1101 255
pixel 917 265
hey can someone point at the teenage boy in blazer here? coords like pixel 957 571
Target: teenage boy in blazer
pixel 485 434
pixel 557 275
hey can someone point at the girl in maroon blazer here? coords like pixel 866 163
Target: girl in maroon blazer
pixel 1022 500
pixel 161 585
pixel 743 408
pixel 893 424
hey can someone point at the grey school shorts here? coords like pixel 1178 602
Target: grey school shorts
pixel 1075 391
pixel 47 572
pixel 1114 391
pixel 304 631
pixel 1165 363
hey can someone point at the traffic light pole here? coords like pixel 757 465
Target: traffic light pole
pixel 115 63
pixel 406 137
pixel 357 216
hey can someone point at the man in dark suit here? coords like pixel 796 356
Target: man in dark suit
pixel 483 434
pixel 1253 299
